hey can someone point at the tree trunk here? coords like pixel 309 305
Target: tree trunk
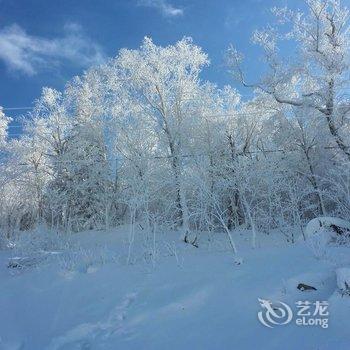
pixel 235 215
pixel 329 114
pixel 181 203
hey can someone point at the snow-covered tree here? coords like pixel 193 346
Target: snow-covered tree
pixel 317 77
pixel 164 82
pixel 4 123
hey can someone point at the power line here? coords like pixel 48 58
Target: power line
pixel 204 116
pixel 16 108
pixel 185 156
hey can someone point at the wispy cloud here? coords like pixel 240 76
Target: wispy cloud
pixel 30 54
pixel 165 8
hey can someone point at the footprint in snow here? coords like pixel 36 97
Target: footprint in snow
pixel 84 335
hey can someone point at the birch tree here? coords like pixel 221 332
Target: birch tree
pixel 164 81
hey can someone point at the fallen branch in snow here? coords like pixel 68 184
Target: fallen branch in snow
pixel 21 262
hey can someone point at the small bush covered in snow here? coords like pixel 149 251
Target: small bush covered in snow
pixel 37 247
pixel 343 280
pixel 331 229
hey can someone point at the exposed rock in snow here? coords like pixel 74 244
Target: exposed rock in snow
pixel 303 287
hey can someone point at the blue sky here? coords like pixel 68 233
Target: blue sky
pixel 46 42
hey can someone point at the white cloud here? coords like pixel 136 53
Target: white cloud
pixel 31 54
pixel 165 8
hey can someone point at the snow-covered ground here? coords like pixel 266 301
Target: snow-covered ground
pixel 170 295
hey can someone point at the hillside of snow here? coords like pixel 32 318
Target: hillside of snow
pixel 170 295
